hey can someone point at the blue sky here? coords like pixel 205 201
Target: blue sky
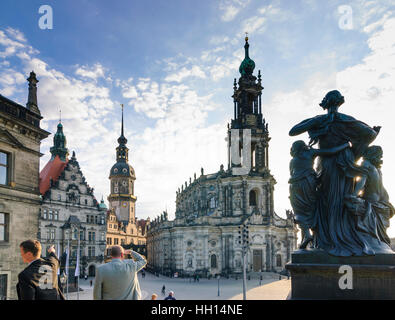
pixel 172 63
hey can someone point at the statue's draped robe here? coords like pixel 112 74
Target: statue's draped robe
pixel 335 228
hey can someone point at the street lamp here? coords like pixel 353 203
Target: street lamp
pixel 218 277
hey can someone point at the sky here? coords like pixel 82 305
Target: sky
pixel 172 64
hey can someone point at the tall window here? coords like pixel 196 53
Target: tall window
pixel 56 215
pixel 278 258
pixel 253 198
pixel 213 261
pixel 50 216
pixel 212 203
pixel 52 236
pixel 45 214
pixel 3 227
pixel 4 165
pixel 3 286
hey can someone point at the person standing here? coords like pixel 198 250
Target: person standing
pixel 170 296
pixel 39 280
pixel 117 280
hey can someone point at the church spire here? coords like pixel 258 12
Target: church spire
pixel 122 140
pixel 248 65
pixel 32 98
pixel 247 95
pixel 122 150
pixel 59 144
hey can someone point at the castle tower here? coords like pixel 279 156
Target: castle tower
pixel 122 178
pixel 248 135
pixel 59 144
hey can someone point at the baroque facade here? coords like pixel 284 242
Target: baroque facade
pixel 123 228
pixel 20 139
pixel 204 236
pixel 70 214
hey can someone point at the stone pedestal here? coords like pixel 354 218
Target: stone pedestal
pixel 315 276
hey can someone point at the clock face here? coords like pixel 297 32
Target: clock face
pixel 124 204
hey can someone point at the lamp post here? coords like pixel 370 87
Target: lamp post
pixel 218 277
pixel 245 243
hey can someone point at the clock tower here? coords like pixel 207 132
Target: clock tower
pixel 122 177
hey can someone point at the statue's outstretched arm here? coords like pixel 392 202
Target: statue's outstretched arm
pixel 330 151
pixel 304 126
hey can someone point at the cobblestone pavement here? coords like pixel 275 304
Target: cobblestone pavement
pixel 270 288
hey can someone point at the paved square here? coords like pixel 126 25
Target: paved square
pixel 271 288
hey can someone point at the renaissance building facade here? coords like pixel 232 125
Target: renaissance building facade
pixel 20 139
pixel 204 238
pixel 123 228
pixel 70 216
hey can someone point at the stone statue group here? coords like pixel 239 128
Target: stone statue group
pixel 341 207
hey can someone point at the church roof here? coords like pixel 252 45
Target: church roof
pixel 52 170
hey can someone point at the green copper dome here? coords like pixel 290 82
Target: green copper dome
pixel 248 65
pixel 102 205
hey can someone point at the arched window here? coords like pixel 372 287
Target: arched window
pixel 212 203
pixel 278 260
pixel 213 261
pixel 253 198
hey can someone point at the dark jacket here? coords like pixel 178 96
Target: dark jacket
pixel 39 280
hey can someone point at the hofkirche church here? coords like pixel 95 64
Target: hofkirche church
pixel 203 238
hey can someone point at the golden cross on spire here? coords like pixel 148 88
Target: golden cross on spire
pixel 246 38
pixel 60 115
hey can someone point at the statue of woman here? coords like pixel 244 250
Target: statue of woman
pixel 303 185
pixel 335 229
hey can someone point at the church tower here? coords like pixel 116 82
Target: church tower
pixel 59 144
pixel 122 178
pixel 248 135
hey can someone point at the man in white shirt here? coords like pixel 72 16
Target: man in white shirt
pixel 117 280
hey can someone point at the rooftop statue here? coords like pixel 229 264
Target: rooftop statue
pixel 344 221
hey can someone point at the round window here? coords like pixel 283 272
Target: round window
pixel 124 170
pixel 115 170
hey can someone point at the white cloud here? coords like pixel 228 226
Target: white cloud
pixel 231 8
pixel 254 25
pixel 195 71
pixel 95 72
